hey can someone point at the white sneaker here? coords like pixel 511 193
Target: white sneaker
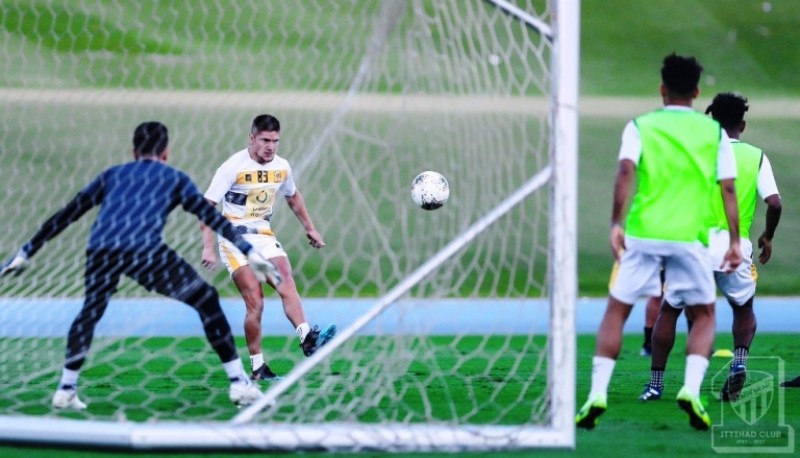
pixel 67 399
pixel 243 395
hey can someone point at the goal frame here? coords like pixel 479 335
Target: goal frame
pixel 560 176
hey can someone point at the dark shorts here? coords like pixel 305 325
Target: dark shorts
pixel 159 270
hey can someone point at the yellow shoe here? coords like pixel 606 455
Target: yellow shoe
pixel 588 416
pixel 722 353
pixel 698 417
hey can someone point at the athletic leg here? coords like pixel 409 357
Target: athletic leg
pixel 698 347
pixel 690 283
pixel 166 273
pixel 701 337
pixel 251 290
pixel 650 315
pixel 310 338
pixel 638 275
pixel 287 290
pixel 743 329
pixel 100 279
pixel 663 341
pixel 609 336
pixel 744 324
pixel 607 348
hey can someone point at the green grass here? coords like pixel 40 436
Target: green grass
pixel 174 44
pixel 740 46
pixel 387 223
pixel 598 162
pixel 168 379
pixel 129 47
pixel 319 273
pixel 103 45
pixel 654 429
pixel 209 45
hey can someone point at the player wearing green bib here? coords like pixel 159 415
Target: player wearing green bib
pixel 678 156
pixel 754 178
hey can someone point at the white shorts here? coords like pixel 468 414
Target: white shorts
pixel 267 245
pixel 740 285
pixel 688 278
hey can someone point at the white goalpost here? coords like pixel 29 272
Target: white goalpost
pixel 456 326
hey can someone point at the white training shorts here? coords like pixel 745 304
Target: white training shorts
pixel 267 245
pixel 688 278
pixel 740 285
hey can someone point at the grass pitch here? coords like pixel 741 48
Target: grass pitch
pixel 743 45
pixel 654 429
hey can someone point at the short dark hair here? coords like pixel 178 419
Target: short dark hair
pixel 681 75
pixel 265 123
pixel 150 137
pixel 728 108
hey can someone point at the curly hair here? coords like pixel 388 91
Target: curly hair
pixel 728 108
pixel 681 75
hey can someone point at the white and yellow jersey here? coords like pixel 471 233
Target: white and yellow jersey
pixel 248 190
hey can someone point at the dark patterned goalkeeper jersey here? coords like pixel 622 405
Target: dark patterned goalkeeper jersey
pixel 135 199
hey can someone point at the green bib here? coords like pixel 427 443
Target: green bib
pixel 748 164
pixel 677 173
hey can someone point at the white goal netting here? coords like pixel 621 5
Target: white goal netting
pixel 369 93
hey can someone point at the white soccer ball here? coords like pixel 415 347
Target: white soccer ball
pixel 430 190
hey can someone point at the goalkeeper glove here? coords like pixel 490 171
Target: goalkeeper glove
pixel 16 264
pixel 264 269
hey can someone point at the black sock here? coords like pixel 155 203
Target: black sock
pixel 648 338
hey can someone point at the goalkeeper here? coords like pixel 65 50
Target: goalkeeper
pixel 126 239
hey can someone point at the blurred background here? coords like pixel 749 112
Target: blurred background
pixel 208 67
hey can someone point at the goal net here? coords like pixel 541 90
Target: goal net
pixel 456 325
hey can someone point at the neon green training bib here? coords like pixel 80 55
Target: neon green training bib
pixel 677 175
pixel 748 164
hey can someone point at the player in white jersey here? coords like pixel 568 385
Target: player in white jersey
pixel 248 185
pixel 739 287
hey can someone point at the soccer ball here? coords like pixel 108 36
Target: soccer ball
pixel 430 190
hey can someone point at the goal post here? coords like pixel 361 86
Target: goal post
pixel 456 326
pixel 564 219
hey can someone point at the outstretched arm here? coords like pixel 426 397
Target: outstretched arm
pixel 298 206
pixel 774 207
pixel 70 213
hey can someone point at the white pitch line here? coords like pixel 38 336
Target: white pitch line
pixel 312 101
pixel 590 106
